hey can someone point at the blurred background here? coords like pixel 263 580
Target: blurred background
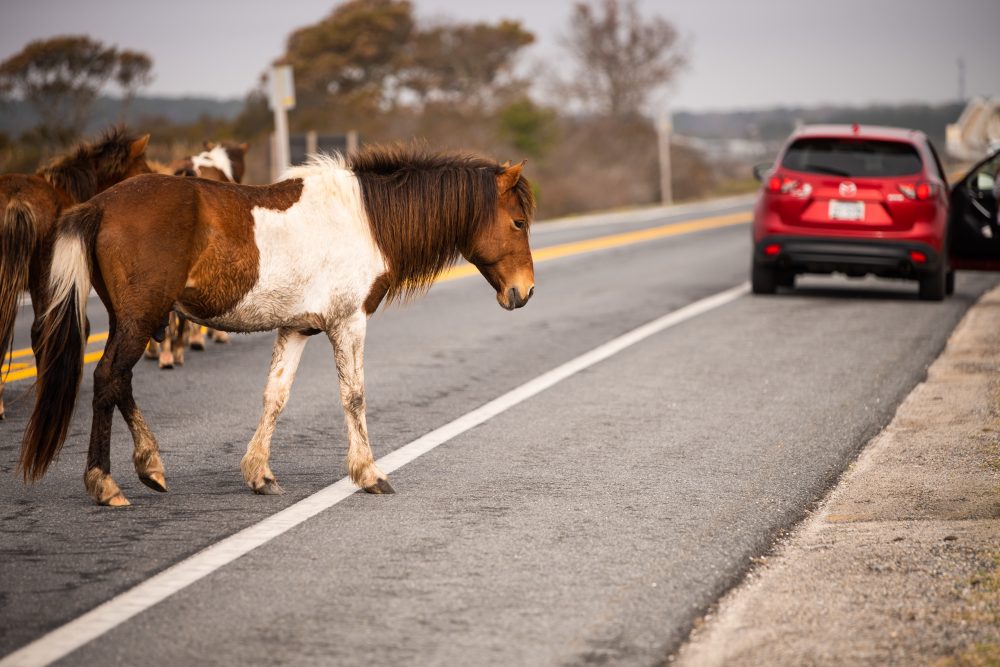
pixel 590 92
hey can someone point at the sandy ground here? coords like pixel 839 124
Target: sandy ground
pixel 900 565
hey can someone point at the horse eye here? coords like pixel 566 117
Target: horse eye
pixel 520 224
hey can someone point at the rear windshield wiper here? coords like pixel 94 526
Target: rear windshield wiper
pixel 824 170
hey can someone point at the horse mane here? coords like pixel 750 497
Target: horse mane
pixel 424 208
pixel 81 172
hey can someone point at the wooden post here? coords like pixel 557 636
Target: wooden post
pixel 665 130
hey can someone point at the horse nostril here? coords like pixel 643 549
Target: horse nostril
pixel 531 292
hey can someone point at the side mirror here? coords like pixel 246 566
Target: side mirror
pixel 762 170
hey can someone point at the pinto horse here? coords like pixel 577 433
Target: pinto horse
pixel 30 205
pixel 317 252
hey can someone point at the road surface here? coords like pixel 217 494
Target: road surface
pixel 590 522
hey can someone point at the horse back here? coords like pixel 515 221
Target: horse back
pixel 188 239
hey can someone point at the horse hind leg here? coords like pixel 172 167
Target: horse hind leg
pixel 284 362
pixel 113 387
pixel 146 453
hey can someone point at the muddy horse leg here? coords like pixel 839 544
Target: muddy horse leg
pixel 348 339
pixel 284 362
pixel 112 383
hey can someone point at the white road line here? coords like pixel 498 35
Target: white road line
pixel 71 636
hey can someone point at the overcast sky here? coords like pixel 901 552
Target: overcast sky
pixel 744 54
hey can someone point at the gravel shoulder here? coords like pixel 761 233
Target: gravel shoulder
pixel 900 565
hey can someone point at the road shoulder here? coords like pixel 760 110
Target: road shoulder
pixel 901 563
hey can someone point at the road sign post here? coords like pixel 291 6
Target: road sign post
pixel 281 96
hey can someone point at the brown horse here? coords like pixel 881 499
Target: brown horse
pixel 317 252
pixel 30 205
pixel 225 162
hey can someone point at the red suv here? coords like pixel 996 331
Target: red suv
pixel 857 200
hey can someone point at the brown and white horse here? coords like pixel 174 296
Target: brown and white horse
pixel 317 252
pixel 30 205
pixel 225 162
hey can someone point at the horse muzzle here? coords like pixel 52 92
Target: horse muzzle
pixel 514 297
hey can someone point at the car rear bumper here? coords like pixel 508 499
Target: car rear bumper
pixel 853 257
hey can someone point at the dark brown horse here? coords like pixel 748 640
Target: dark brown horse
pixel 30 205
pixel 317 252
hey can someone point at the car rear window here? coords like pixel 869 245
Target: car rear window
pixel 858 158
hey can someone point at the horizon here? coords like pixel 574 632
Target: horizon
pixel 229 47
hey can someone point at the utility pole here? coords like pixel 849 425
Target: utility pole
pixel 281 96
pixel 961 79
pixel 665 129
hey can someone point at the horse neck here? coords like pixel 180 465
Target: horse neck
pixel 77 179
pixel 422 235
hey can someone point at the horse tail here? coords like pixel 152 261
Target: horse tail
pixel 17 242
pixel 61 340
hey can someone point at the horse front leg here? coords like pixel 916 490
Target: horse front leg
pixel 284 362
pixel 348 339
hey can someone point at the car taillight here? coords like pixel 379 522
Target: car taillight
pixel 772 250
pixel 785 186
pixel 919 191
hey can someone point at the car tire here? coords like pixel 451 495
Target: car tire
pixel 786 279
pixel 933 286
pixel 763 280
pixel 949 283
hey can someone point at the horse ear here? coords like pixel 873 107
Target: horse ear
pixel 509 177
pixel 506 164
pixel 208 145
pixel 138 147
pixel 245 146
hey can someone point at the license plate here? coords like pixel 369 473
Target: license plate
pixel 846 210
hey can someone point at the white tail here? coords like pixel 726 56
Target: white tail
pixel 70 270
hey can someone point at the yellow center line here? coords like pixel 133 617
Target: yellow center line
pixel 19 372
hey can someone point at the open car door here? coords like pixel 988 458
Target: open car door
pixel 973 229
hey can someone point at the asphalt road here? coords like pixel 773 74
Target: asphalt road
pixel 590 523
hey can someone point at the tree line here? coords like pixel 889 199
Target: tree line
pixel 373 67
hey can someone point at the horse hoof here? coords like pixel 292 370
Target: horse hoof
pixel 221 337
pixel 117 500
pixel 269 487
pixel 380 487
pixel 198 345
pixel 155 480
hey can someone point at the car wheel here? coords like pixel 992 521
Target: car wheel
pixel 763 280
pixel 932 286
pixel 786 279
pixel 949 283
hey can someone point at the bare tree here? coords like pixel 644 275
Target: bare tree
pixel 133 72
pixel 622 57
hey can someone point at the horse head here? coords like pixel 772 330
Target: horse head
pixel 135 164
pixel 500 249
